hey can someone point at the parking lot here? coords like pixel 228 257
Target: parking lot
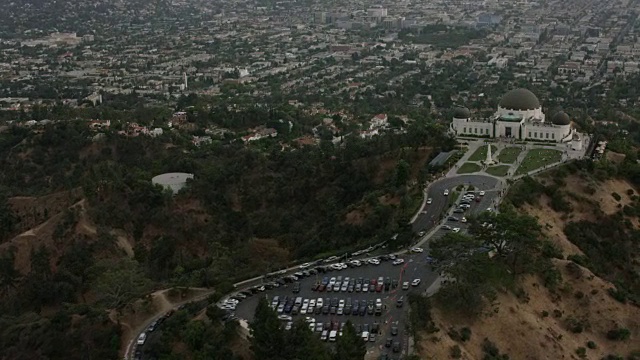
pixel 388 323
pixel 485 202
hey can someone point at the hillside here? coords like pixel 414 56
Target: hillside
pixel 574 318
pixel 85 235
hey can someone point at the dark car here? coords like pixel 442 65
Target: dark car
pixel 399 303
pixel 334 302
pixel 315 287
pixel 375 327
pixel 347 310
pixel 363 310
pixel 396 347
pixel 325 309
pixel 458 211
pixel 379 287
pixel 296 288
pixel 453 218
pixel 317 310
pixel 394 330
pixel 389 342
pixel 394 283
pixel 333 310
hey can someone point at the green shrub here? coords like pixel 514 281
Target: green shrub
pixel 456 352
pixel 574 325
pixel 581 352
pixel 616 196
pixel 613 357
pixel 630 192
pixel 545 314
pixel 591 344
pixel 619 334
pixel 619 295
pixel 465 334
pixel 581 260
pixel 551 250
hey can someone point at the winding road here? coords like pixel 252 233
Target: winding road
pixel 431 214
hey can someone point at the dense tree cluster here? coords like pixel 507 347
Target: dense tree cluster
pixel 500 247
pixel 297 199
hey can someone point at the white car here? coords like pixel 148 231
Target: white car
pixel 280 308
pixel 309 319
pixel 285 318
pixel 305 265
pixel 415 282
pixel 417 250
pixel 365 336
pixel 142 338
pixel 374 261
pixel 398 261
pixel 337 266
pixel 319 302
pixel 421 233
pixel 429 201
pixel 464 219
pixel 305 302
pixel 355 263
pixel 341 303
pixel 304 309
pixel 446 192
pixel 455 230
pixel 289 325
pixel 312 302
pixel 482 193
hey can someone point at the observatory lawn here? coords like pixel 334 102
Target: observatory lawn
pixel 538 158
pixel 481 154
pixel 468 167
pixel 500 170
pixel 509 155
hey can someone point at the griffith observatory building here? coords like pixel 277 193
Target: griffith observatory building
pixel 519 116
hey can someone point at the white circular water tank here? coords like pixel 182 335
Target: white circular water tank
pixel 172 181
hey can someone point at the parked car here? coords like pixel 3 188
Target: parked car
pixel 417 250
pixel 141 339
pixel 415 282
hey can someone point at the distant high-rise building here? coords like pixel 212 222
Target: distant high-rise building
pixel 321 17
pixel 377 12
pixel 184 80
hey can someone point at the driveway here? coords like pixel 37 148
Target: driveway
pixel 431 214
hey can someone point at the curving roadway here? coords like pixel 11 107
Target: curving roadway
pixel 431 214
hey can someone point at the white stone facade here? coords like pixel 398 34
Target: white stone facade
pixel 522 124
